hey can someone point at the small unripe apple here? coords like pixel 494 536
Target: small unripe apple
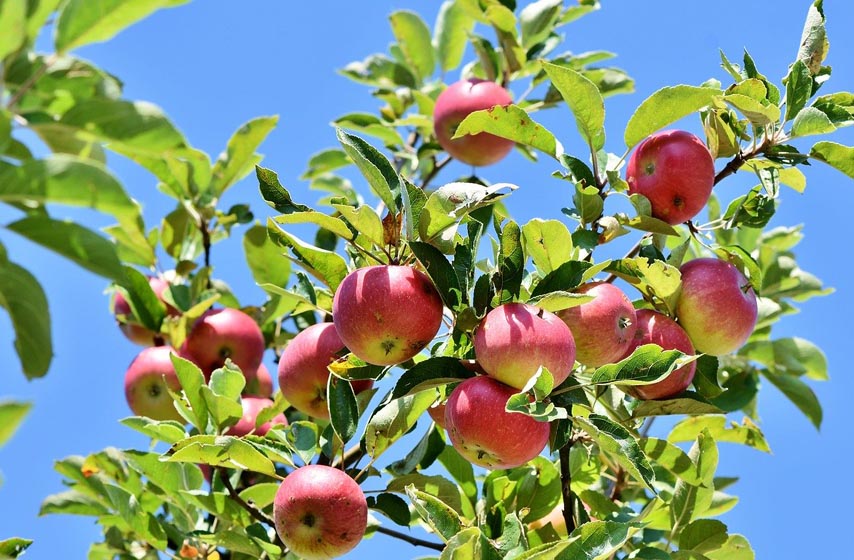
pixel 484 432
pixel 717 306
pixel 515 339
pixel 657 328
pixel 304 369
pixel 260 384
pixel 220 334
pixel 320 512
pixel 602 328
pixel 147 383
pixel 455 104
pixel 135 332
pixel 675 171
pixel 252 406
pixel 386 314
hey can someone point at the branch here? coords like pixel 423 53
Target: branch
pixel 435 171
pixel 350 457
pixel 414 541
pixel 253 511
pixel 31 81
pixel 566 490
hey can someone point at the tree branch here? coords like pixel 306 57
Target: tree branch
pixel 565 488
pixel 435 171
pixel 253 511
pixel 31 81
pixel 414 541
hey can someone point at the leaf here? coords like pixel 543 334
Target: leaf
pixel 325 221
pixel 665 107
pixel 413 37
pixel 619 443
pixel 391 506
pixel 239 156
pixel 567 276
pixel 798 88
pixel 382 178
pixel 13 29
pixel 448 204
pixel 810 121
pixel 548 243
pixel 746 434
pixel 584 101
pixel 735 548
pixel 303 436
pixel 79 23
pixel 441 272
pixel 537 20
pixel 799 393
pixel 265 259
pixel 558 301
pixel 24 300
pixel 514 123
pixel 647 364
pixel 453 25
pixel 73 241
pixel 167 431
pixel 14 547
pixel 592 541
pixel 12 413
pixel 671 458
pixel 72 502
pixel 275 194
pixel 325 161
pixel 464 545
pixel 192 380
pixel 364 220
pixel 435 485
pixel 393 420
pixel 755 111
pixel 326 266
pixel 221 451
pixel 795 356
pixel 380 71
pixel 703 535
pixel 835 155
pixel 690 404
pixel 656 278
pixel 343 410
pixel 437 514
pixel 814 45
pixel 461 470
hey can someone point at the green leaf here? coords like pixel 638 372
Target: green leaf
pixel 393 420
pixel 73 241
pixel 441 272
pixel 537 20
pixel 73 502
pixel 192 380
pixel 798 88
pixel 671 458
pixel 382 178
pixel 514 123
pixel 328 267
pixel 567 276
pixel 548 243
pixel 755 111
pixel 239 156
pixel 647 364
pixel 461 470
pixel 265 259
pixel 746 434
pixel 453 25
pixel 799 393
pixel 794 356
pixel 448 204
pixel 327 222
pixel 413 37
pixel 325 161
pixel 79 23
pixel 703 535
pixel 38 15
pixel 656 279
pixel 146 306
pixel 221 451
pixel 437 514
pixel 14 547
pixel 380 71
pixel 619 443
pixel 592 541
pixel 12 413
pixel 343 409
pixel 814 45
pixel 735 548
pixel 465 545
pixel 435 485
pixel 391 506
pixel 588 202
pixel 275 194
pixel 167 431
pixel 690 404
pixel 665 107
pixel 835 155
pixel 303 437
pixel 584 101
pixel 558 301
pixel 810 121
pixel 13 28
pixel 364 220
pixel 24 300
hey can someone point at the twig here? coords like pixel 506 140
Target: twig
pixel 350 457
pixel 632 252
pixel 435 171
pixel 414 541
pixel 34 77
pixel 252 510
pixel 565 487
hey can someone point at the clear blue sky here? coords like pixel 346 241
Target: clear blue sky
pixel 213 66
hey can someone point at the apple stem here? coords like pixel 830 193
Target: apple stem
pixel 565 486
pixel 414 541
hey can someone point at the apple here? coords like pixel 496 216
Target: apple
pixel 515 339
pixel 437 413
pixel 717 306
pixel 135 332
pixel 386 314
pixel 453 105
pixel 484 432
pixel 252 406
pixel 554 518
pixel 675 171
pixel 602 328
pixel 320 512
pixel 147 383
pixel 260 384
pixel 657 328
pixel 303 369
pixel 220 334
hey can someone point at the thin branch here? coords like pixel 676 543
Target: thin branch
pixel 414 541
pixel 632 252
pixel 435 171
pixel 565 487
pixel 350 457
pixel 252 510
pixel 31 81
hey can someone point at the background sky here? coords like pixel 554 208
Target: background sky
pixel 212 66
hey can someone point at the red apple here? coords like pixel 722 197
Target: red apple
pixel 147 384
pixel 303 369
pixel 455 104
pixel 515 339
pixel 602 328
pixel 656 328
pixel 437 413
pixel 386 314
pixel 320 512
pixel 135 332
pixel 260 384
pixel 484 432
pixel 717 306
pixel 252 406
pixel 675 171
pixel 225 333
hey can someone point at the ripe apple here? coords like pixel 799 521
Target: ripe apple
pixel 259 384
pixel 225 333
pixel 717 306
pixel 437 413
pixel 386 314
pixel 515 339
pixel 135 332
pixel 320 512
pixel 252 406
pixel 147 384
pixel 455 104
pixel 303 369
pixel 657 328
pixel 604 327
pixel 484 432
pixel 675 171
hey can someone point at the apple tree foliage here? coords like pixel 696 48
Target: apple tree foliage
pixel 626 493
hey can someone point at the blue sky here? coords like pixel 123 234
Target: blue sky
pixel 212 67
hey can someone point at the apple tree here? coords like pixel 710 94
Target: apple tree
pixel 498 380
